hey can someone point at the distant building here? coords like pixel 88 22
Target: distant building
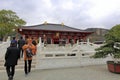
pixel 98 35
pixel 54 33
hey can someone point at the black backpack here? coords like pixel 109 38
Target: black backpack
pixel 29 53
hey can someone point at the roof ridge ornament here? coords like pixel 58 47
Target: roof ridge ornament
pixel 45 22
pixel 62 24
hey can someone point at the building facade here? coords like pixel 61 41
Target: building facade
pixel 54 33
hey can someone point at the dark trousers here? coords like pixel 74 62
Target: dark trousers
pixel 27 67
pixel 21 52
pixel 10 70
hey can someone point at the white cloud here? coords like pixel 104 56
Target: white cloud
pixel 68 5
pixel 74 13
pixel 102 8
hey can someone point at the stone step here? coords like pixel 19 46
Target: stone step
pixel 19 61
pixel 19 67
pixel 20 64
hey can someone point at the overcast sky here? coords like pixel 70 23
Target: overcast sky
pixel 80 14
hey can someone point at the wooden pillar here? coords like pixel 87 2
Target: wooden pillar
pixel 74 39
pixel 52 39
pixel 68 39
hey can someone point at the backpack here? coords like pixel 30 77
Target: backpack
pixel 29 53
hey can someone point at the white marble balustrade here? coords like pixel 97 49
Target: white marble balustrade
pixel 3 47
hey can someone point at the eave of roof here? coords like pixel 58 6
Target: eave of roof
pixel 53 27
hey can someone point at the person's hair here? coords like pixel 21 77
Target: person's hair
pixel 13 38
pixel 12 44
pixel 21 37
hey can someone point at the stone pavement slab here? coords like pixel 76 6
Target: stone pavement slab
pixel 96 72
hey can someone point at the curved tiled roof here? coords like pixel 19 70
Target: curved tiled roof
pixel 53 27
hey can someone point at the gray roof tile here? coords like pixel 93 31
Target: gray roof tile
pixel 53 27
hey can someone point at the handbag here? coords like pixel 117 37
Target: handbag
pixel 29 53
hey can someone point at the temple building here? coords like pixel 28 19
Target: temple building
pixel 54 33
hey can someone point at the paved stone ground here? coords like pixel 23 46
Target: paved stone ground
pixel 98 72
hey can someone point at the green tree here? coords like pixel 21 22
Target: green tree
pixel 111 38
pixel 9 21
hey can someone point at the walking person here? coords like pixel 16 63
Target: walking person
pixel 27 60
pixel 14 41
pixel 21 42
pixel 11 59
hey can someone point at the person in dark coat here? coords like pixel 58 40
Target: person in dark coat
pixel 21 42
pixel 11 59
